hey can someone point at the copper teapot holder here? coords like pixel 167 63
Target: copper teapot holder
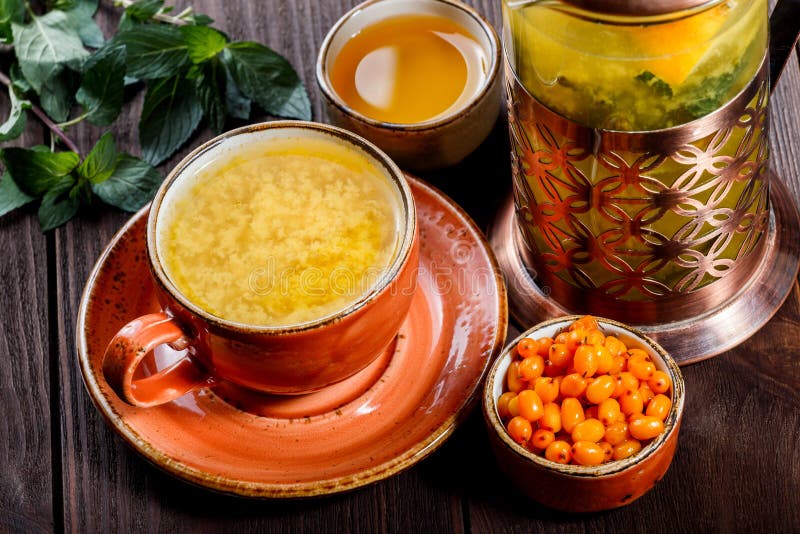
pixel 694 338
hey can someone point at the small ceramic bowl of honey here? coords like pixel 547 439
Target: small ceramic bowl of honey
pixel 419 78
pixel 584 488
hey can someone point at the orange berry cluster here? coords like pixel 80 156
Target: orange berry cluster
pixel 583 397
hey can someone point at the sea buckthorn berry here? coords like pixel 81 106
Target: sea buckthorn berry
pixel 541 438
pixel 547 388
pixel 590 412
pixel 646 427
pixel 513 406
pixel 646 393
pixel 640 368
pixel 608 451
pixel 659 382
pixel 634 353
pixel 616 433
pixel 587 322
pixel 572 385
pixel 520 429
pixel 627 448
pixel 544 346
pixel 560 355
pixel 605 361
pixel 527 347
pixel 587 453
pixel 551 418
pixel 559 451
pixel 551 370
pixel 659 406
pixel 502 405
pixel 594 337
pixel 608 411
pixel 585 360
pixel 530 405
pixel 514 379
pixel 588 430
pixel 600 389
pixel 631 402
pixel 571 413
pixel 618 365
pixel 531 367
pixel 615 346
pixel 625 382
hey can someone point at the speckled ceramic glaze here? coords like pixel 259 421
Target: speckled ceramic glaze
pixel 272 359
pixel 437 143
pixel 366 428
pixel 575 488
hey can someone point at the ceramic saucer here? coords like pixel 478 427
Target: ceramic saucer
pixel 382 420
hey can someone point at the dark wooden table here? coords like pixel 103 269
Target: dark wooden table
pixel 61 468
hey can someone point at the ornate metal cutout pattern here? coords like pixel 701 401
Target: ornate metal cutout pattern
pixel 641 216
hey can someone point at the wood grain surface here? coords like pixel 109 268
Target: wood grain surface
pixel 62 469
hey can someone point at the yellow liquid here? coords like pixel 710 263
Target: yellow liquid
pixel 281 235
pixel 409 69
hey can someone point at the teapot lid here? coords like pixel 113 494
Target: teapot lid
pixel 638 7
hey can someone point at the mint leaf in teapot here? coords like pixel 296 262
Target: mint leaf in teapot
pixel 11 197
pixel 268 78
pixel 103 85
pixel 154 51
pixel 37 170
pixel 58 205
pixel 203 43
pixel 14 125
pixel 170 113
pixel 132 184
pixel 101 162
pixel 45 45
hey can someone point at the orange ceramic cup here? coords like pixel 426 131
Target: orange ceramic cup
pixel 280 360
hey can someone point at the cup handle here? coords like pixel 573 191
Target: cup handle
pixel 131 344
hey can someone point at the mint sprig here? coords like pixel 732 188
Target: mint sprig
pixel 64 71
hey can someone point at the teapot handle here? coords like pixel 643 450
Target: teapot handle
pixel 784 28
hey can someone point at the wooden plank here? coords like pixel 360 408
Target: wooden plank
pixel 107 487
pixel 26 483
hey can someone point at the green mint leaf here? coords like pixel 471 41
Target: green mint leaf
pixel 101 162
pixel 170 113
pixel 143 10
pixel 203 42
pixel 37 170
pixel 58 205
pixel 103 85
pixel 154 50
pixel 45 45
pixel 15 123
pixel 659 86
pixel 11 197
pixel 10 11
pixel 210 85
pixel 198 19
pixel 268 78
pixel 18 81
pixel 237 105
pixel 58 94
pixel 131 186
pixel 80 19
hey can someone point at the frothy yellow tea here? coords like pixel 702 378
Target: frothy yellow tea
pixel 281 233
pixel 409 69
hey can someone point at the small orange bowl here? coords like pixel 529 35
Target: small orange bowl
pixel 576 488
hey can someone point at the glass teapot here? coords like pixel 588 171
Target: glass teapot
pixel 639 137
